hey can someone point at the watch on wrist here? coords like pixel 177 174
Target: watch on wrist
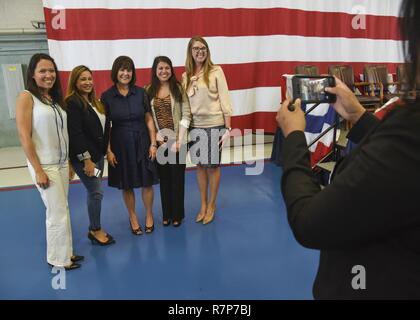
pixel 229 129
pixel 83 156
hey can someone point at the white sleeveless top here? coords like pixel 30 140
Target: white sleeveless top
pixel 101 117
pixel 49 133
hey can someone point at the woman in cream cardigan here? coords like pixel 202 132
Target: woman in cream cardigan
pixel 211 109
pixel 172 115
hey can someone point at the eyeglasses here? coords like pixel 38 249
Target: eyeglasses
pixel 197 49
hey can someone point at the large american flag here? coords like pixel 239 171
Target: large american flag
pixel 255 41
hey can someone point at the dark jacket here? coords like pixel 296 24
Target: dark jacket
pixel 85 131
pixel 368 216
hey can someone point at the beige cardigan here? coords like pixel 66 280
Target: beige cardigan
pixel 209 105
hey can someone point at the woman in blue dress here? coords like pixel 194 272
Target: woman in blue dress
pixel 132 147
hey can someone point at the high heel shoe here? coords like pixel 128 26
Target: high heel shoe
pixel 77 258
pixel 209 217
pixel 138 231
pixel 177 223
pixel 166 222
pixel 200 217
pixel 110 240
pixel 150 229
pixel 72 266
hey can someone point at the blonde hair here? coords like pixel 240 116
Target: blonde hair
pixel 189 62
pixel 72 90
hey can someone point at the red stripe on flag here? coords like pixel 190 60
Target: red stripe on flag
pixel 106 24
pixel 320 152
pixel 256 120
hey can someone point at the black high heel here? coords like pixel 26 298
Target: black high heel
pixel 77 258
pixel 110 240
pixel 177 223
pixel 166 222
pixel 137 232
pixel 73 266
pixel 150 229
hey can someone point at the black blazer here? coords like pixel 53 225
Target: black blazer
pixel 368 216
pixel 85 131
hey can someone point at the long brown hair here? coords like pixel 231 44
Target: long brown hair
pixel 410 13
pixel 55 91
pixel 174 85
pixel 189 62
pixel 73 92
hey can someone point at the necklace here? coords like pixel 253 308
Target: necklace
pixel 47 98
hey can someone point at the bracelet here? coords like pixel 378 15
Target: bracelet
pixel 154 145
pixel 83 156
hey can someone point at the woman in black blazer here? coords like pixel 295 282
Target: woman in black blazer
pixel 88 130
pixel 366 223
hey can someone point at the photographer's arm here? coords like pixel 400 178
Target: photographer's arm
pixel 351 110
pixel 347 104
pixel 366 123
pixel 359 206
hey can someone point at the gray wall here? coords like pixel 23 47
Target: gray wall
pixel 16 15
pixel 19 40
pixel 15 49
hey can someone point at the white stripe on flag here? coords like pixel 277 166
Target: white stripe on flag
pixel 265 99
pixel 326 139
pixel 225 50
pixel 320 110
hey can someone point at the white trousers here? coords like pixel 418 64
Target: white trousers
pixel 58 226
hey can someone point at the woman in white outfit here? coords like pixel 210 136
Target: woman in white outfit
pixel 42 127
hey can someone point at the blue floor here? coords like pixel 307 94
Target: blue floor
pixel 247 252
